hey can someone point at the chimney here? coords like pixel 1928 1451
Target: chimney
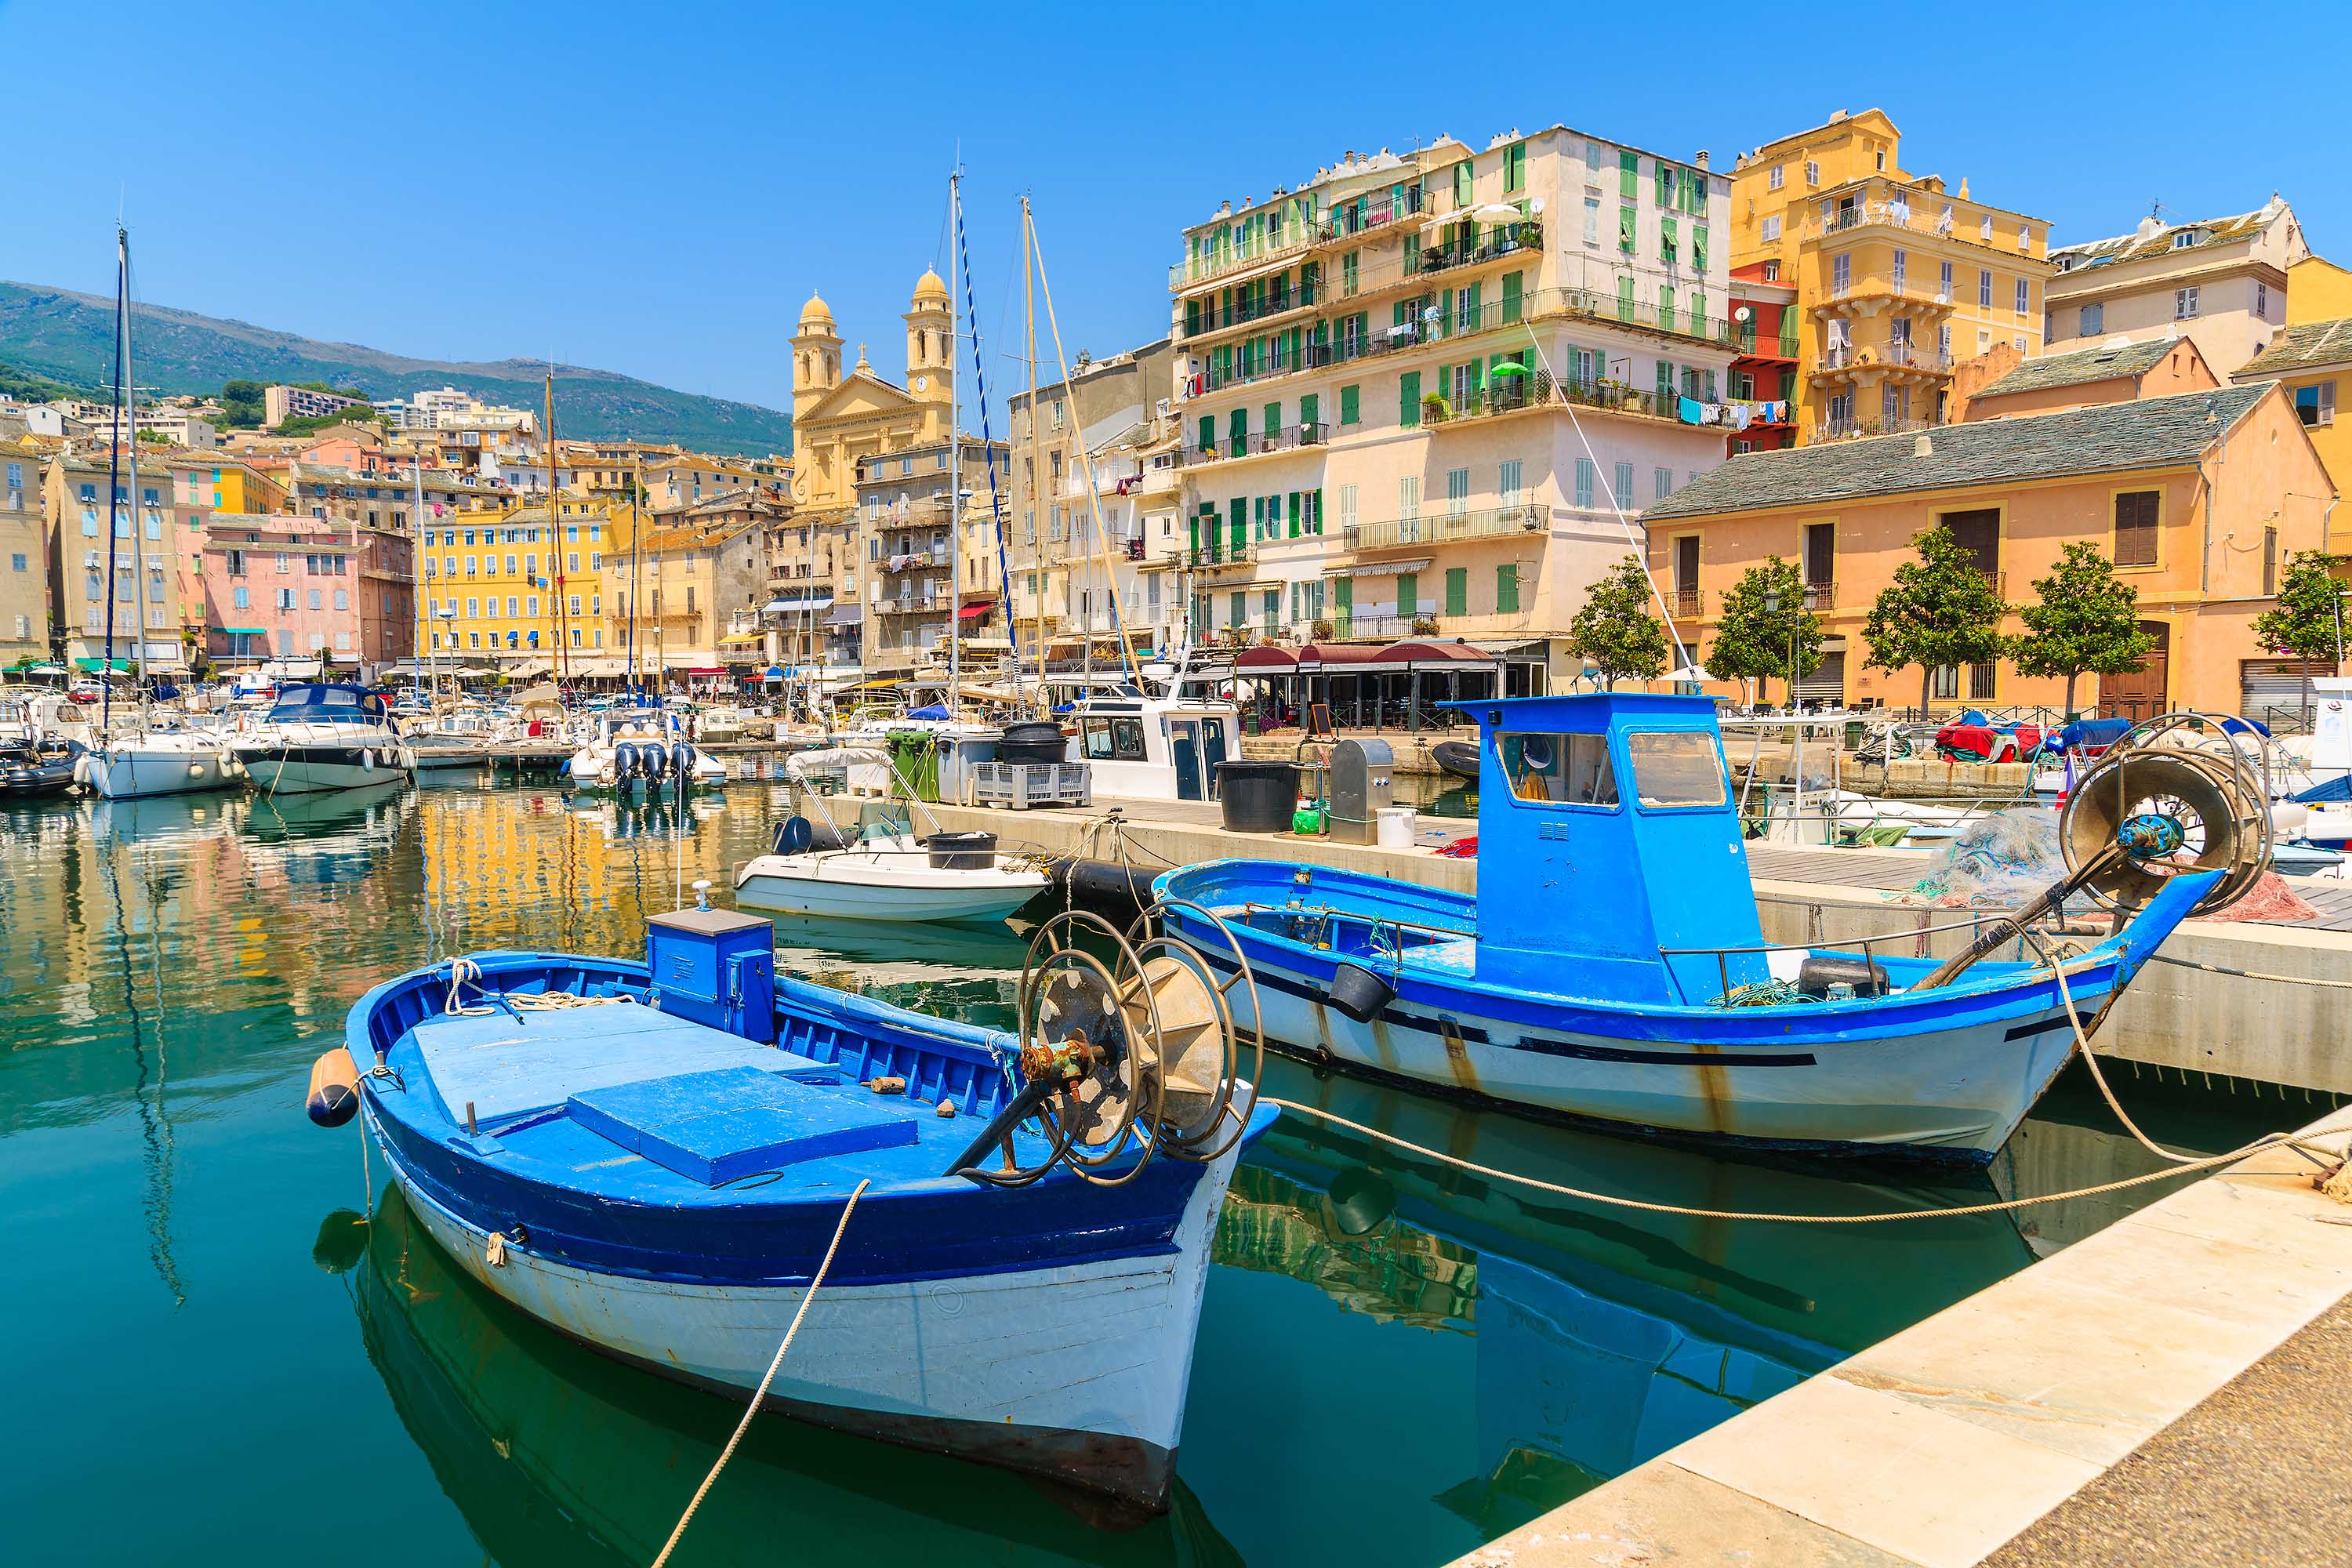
pixel 1923 445
pixel 1701 159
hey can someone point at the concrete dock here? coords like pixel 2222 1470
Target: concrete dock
pixel 2170 1391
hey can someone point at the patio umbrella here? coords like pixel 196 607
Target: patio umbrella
pixel 1509 367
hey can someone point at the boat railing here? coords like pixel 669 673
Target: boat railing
pixel 1722 956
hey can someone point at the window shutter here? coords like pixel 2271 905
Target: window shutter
pixel 1192 318
pixel 1462 183
pixel 1208 432
pixel 1629 175
pixel 1273 420
pixel 1665 238
pixel 1408 595
pixel 1343 601
pixel 1625 231
pixel 1351 401
pixel 1409 399
pixel 1310 411
pixel 1294 514
pixel 1318 511
pixel 1666 184
pixel 1698 247
pixel 1457 590
pixel 1472 325
pixel 1237 532
pixel 1506 589
pixel 1511 287
pixel 2136 527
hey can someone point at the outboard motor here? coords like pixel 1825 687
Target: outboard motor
pixel 681 757
pixel 657 760
pixel 626 761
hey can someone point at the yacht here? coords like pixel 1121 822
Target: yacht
pixel 323 735
pixel 161 758
pixel 642 750
pixel 1155 748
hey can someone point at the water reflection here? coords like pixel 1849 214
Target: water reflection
pixel 555 1455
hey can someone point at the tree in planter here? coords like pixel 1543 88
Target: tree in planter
pixel 1614 632
pixel 1940 610
pixel 2308 624
pixel 2083 620
pixel 1763 615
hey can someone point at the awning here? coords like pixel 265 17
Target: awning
pixel 94 665
pixel 1433 655
pixel 739 639
pixel 1380 569
pixel 244 631
pixel 796 606
pixel 846 615
pixel 1265 661
pixel 974 612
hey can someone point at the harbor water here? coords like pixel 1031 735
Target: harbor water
pixel 226 1339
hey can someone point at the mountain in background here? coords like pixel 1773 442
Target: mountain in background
pixel 69 337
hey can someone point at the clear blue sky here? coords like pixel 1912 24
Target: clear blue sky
pixel 656 189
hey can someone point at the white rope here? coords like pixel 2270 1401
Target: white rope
pixel 761 1393
pixel 2252 974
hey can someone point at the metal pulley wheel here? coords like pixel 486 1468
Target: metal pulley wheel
pixel 1202 1029
pixel 1096 1030
pixel 2147 813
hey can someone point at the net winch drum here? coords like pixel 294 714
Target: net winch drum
pixel 1363 786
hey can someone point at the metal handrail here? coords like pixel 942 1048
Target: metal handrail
pixel 1723 954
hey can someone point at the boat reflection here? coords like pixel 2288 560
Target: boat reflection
pixel 558 1455
pixel 1603 1336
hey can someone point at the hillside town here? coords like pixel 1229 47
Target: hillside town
pixel 1437 395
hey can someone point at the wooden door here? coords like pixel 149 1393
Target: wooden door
pixel 2139 695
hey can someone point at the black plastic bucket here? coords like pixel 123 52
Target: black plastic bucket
pixel 1358 993
pixel 961 851
pixel 1034 743
pixel 1258 797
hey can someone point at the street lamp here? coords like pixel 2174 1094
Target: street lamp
pixel 449 637
pixel 1796 716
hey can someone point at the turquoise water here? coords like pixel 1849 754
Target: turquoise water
pixel 208 1356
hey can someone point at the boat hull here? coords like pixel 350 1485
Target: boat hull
pixel 875 901
pixel 128 774
pixel 303 770
pixel 1076 1372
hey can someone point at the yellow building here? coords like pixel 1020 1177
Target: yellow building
pixel 1897 277
pixel 840 420
pixel 508 586
pixel 2311 357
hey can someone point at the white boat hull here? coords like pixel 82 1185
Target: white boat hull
pixel 1957 1093
pixel 848 886
pixel 1012 1367
pixel 131 773
pixel 309 770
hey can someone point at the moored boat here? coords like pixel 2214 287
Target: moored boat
pixel 324 735
pixel 654 1157
pixel 1613 965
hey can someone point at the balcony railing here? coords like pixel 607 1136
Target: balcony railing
pixel 916 560
pixel 1821 596
pixel 1897 355
pixel 1435 528
pixel 1217 557
pixel 1842 430
pixel 1514 238
pixel 1344 222
pixel 1241 313
pixel 1689 602
pixel 1928 217
pixel 1787 346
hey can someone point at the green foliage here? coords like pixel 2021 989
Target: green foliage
pixel 1939 610
pixel 25 388
pixel 1614 633
pixel 242 405
pixel 1763 614
pixel 311 424
pixel 2082 620
pixel 2305 625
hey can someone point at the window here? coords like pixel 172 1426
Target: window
pixel 2025 297
pixel 1593 220
pixel 1351 410
pixel 2095 320
pixel 1629 175
pixel 1408 595
pixel 1622 494
pixel 1508 484
pixel 1662 483
pixel 1772 226
pixel 1585 485
pixel 2316 405
pixel 1984 288
pixel 1625 224
pixel 1813 172
pixel 1981 679
pixel 1506 589
pixel 342 598
pixel 16 563
pixel 1902 269
pixel 1457 590
pixel 1515 168
pixel 2262 313
pixel 1841 274
pixel 2184 303
pixel 1778 177
pixel 2135 521
pixel 1676 769
pixel 1558 770
pixel 1944 281
pixel 1409 399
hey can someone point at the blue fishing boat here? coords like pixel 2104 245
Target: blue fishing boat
pixel 1612 966
pixel 653 1158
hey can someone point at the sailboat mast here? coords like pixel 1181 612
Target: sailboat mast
pixel 554 547
pixel 113 498
pixel 130 417
pixel 636 534
pixel 1037 507
pixel 416 545
pixel 955 473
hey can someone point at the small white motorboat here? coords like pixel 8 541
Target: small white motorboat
pixel 885 872
pixel 325 735
pixel 646 751
pixel 160 762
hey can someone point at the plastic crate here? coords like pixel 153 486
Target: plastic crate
pixel 1021 785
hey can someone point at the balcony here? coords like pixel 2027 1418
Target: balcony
pixel 1438 529
pixel 911 605
pixel 1277 303
pixel 1690 602
pixel 1821 596
pixel 916 560
pixel 1841 359
pixel 1367 217
pixel 1847 429
pixel 1514 239
pixel 1212 559
pixel 1931 217
pixel 1788 346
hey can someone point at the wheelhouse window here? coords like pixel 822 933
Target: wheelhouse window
pixel 1111 740
pixel 1676 769
pixel 1559 770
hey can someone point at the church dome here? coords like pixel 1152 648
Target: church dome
pixel 929 287
pixel 817 312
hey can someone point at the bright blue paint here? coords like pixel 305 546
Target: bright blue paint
pixel 731 1123
pixel 716 967
pixel 1578 899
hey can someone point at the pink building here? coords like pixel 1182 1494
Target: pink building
pixel 282 587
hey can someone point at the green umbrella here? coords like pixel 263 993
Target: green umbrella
pixel 1508 367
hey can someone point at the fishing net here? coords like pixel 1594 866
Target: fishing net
pixel 1995 862
pixel 2269 898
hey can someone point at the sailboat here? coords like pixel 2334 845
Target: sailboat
pixel 151 756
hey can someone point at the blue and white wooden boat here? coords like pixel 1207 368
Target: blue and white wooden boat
pixel 1612 966
pixel 652 1158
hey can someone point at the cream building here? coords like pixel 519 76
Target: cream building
pixel 1432 392
pixel 24 556
pixel 2219 282
pixel 146 533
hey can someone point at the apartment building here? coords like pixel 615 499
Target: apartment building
pixel 279 404
pixel 1435 390
pixel 515 584
pixel 91 541
pixel 2197 498
pixel 1101 443
pixel 2311 357
pixel 284 590
pixel 693 578
pixel 925 545
pixel 23 557
pixel 1898 277
pixel 2222 283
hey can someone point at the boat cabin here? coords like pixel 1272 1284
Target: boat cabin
pixel 1155 748
pixel 1608 839
pixel 328 702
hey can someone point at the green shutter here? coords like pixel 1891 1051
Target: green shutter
pixel 1239 606
pixel 1409 399
pixel 1506 589
pixel 1413 253
pixel 1310 412
pixel 1665 238
pixel 1665 184
pixel 1318 511
pixel 1273 420
pixel 1625 229
pixel 1343 605
pixel 1666 308
pixel 1629 175
pixel 1515 167
pixel 1350 406
pixel 1697 313
pixel 1457 590
pixel 1192 318
pixel 1462 183
pixel 1237 431
pixel 1192 533
pixel 1698 247
pixel 1408 595
pixel 1238 529
pixel 1511 286
pixel 1471 324
pixel 1625 298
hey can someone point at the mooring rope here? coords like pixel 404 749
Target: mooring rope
pixel 2251 974
pixel 761 1393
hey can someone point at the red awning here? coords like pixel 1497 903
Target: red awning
pixel 1433 654
pixel 970 612
pixel 1265 658
pixel 1330 654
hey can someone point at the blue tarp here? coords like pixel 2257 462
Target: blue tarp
pixel 936 711
pixel 2092 732
pixel 2337 788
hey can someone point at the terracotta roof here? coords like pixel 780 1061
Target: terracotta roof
pixel 2106 363
pixel 2304 346
pixel 2154 432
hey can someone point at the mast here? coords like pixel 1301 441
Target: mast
pixel 422 603
pixel 554 548
pixel 955 477
pixel 1037 512
pixel 129 411
pixel 988 456
pixel 637 533
pixel 114 490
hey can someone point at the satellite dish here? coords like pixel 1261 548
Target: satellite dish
pixel 1743 314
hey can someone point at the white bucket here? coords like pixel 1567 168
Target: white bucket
pixel 1396 828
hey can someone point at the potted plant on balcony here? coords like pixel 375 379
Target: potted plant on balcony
pixel 1323 631
pixel 1435 408
pixel 1425 625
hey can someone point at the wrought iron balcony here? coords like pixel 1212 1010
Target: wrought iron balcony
pixel 1432 530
